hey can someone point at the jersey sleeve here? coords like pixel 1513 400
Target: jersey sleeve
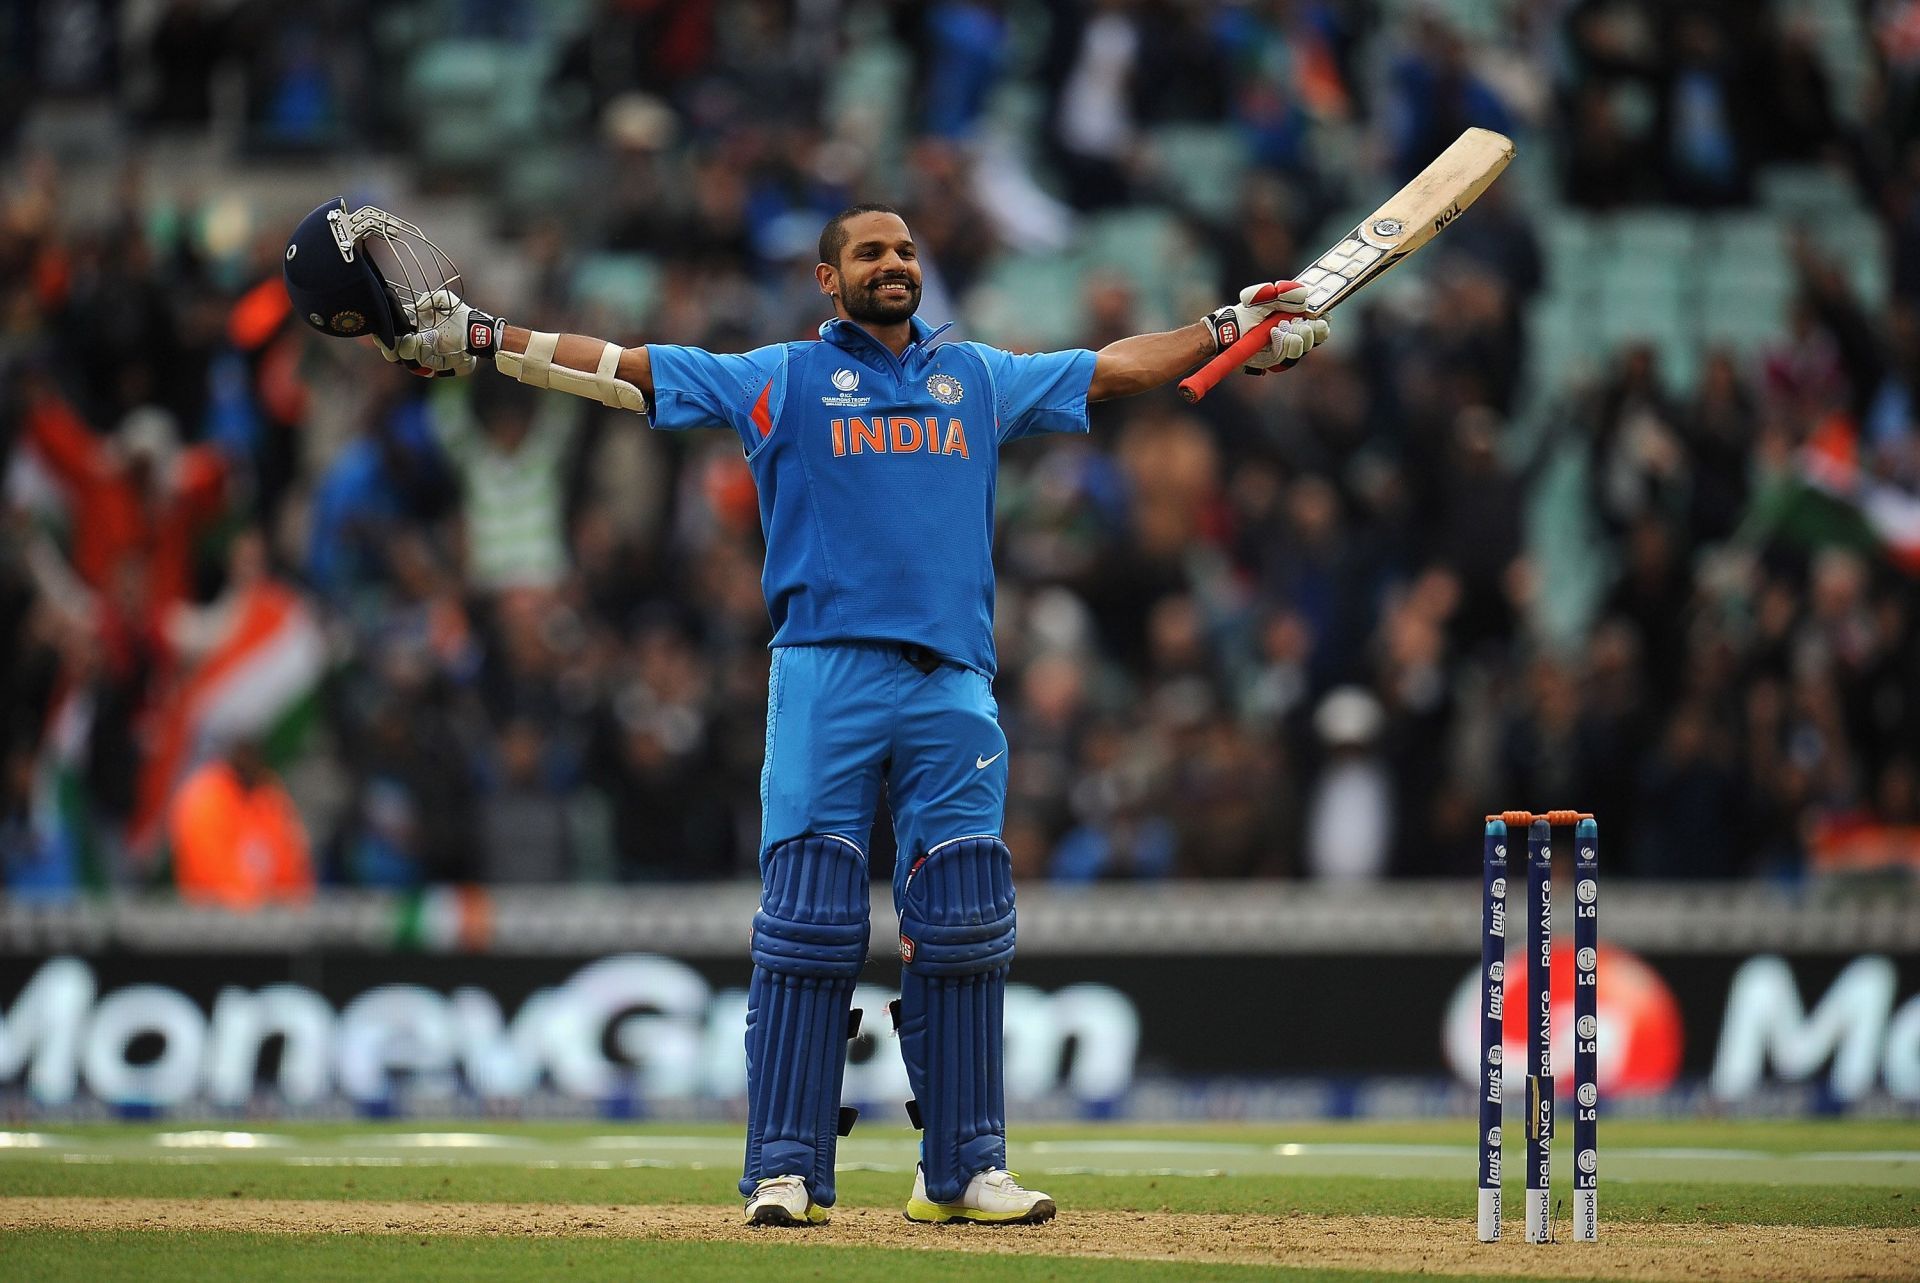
pixel 1046 392
pixel 694 388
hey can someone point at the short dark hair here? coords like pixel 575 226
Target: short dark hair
pixel 833 237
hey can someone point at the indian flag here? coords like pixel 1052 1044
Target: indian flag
pixel 1894 515
pixel 1831 499
pixel 257 681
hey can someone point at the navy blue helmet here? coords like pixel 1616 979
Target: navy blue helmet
pixel 341 287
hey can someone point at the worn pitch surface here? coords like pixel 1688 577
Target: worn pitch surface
pixel 1367 1243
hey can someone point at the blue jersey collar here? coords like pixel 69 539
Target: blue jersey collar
pixel 845 334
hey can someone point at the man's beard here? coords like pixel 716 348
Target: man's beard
pixel 865 303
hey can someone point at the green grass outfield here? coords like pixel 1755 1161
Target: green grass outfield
pixel 1859 1174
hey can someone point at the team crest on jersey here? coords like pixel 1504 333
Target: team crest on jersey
pixel 847 382
pixel 945 389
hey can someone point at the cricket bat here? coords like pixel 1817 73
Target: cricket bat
pixel 1414 216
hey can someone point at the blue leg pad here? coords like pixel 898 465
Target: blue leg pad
pixel 956 941
pixel 809 942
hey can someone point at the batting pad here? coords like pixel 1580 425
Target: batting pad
pixel 809 941
pixel 956 941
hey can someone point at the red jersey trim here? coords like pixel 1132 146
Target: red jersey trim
pixel 762 416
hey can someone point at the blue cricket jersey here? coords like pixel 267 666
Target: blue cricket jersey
pixel 876 473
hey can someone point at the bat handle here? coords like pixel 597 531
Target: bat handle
pixel 1203 380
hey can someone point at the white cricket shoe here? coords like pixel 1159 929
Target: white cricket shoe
pixel 783 1200
pixel 993 1197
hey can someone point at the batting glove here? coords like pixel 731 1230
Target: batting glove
pixel 1290 340
pixel 404 354
pixel 449 334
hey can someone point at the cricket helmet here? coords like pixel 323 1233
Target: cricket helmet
pixel 356 272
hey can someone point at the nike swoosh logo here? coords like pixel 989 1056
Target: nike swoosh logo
pixel 982 763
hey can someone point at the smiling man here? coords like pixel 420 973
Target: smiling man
pixel 875 450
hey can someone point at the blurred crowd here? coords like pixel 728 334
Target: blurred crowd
pixel 378 631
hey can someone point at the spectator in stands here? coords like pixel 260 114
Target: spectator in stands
pixel 1413 678
pixel 1049 714
pixel 1092 61
pixel 1284 67
pixel 1652 593
pixel 410 816
pixel 1435 93
pixel 1122 830
pixel 1801 121
pixel 182 52
pixel 299 69
pixel 1639 462
pixel 388 478
pixel 107 663
pixel 1708 107
pixel 237 841
pixel 512 472
pixel 1687 789
pixel 523 815
pixel 965 48
pixel 1350 806
pixel 1237 811
pixel 1501 238
pixel 1717 432
pixel 135 498
pixel 662 44
pixel 1901 201
pixel 1185 75
pixel 1605 166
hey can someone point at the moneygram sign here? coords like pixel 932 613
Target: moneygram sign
pixel 1857 1035
pixel 414 1031
pixel 635 1028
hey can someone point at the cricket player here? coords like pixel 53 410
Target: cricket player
pixel 875 450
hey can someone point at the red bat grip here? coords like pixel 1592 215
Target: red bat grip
pixel 1202 380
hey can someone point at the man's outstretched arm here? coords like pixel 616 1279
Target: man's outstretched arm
pixel 1145 361
pixel 581 353
pixel 453 335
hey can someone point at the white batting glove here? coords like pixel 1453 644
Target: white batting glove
pixel 449 335
pixel 405 353
pixel 1290 340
